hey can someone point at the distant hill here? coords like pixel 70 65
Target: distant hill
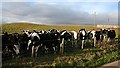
pixel 19 27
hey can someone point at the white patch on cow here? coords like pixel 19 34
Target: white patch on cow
pixel 35 34
pixel 83 33
pixel 16 49
pixel 63 33
pixel 33 47
pixel 54 50
pixel 36 50
pixel 62 46
pixel 55 34
pixel 75 34
pixel 27 32
pixel 6 49
pixel 39 33
pixel 88 31
pixel 93 32
pixel 46 49
pixel 42 32
pixel 104 36
pixel 48 32
pixel 58 31
pixel 29 42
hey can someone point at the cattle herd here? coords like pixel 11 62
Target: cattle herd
pixel 52 41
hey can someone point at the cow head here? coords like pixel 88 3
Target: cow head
pixel 83 34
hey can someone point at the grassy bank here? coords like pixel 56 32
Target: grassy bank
pixel 19 27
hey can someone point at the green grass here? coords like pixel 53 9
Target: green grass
pixel 19 27
pixel 88 57
pixel 81 58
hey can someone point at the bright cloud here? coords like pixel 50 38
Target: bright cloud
pixel 60 13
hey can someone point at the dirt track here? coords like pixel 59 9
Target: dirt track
pixel 115 64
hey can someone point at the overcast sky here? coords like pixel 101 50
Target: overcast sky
pixel 59 12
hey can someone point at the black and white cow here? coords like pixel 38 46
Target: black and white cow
pixel 24 40
pixel 99 36
pixel 49 41
pixel 83 36
pixel 34 42
pixel 74 35
pixel 10 44
pixel 93 33
pixel 52 40
pixel 65 37
pixel 96 36
pixel 105 34
pixel 111 35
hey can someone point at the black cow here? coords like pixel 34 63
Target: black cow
pixel 51 41
pixel 64 38
pixel 10 44
pixel 111 35
pixel 74 35
pixel 99 36
pixel 23 42
pixel 105 32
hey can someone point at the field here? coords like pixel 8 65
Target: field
pixel 19 27
pixel 73 57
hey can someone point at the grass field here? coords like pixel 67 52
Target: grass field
pixel 19 27
pixel 87 57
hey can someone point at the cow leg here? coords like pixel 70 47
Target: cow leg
pixel 72 42
pixel 62 46
pixel 13 56
pixel 36 50
pixel 94 41
pixel 29 42
pixel 108 40
pixel 83 42
pixel 6 49
pixel 76 42
pixel 46 49
pixel 54 50
pixel 33 47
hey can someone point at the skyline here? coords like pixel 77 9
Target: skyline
pixel 60 12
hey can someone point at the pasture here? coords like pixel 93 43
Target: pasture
pixel 19 27
pixel 88 57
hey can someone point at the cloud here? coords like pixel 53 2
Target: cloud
pixel 14 1
pixel 60 0
pixel 51 14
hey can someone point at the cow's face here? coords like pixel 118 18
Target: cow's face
pixel 67 36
